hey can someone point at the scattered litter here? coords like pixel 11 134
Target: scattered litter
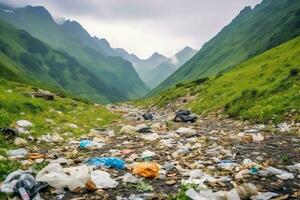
pixel 102 180
pixel 184 116
pixel 147 116
pixel 89 143
pixel 110 162
pixel 9 133
pixel 145 169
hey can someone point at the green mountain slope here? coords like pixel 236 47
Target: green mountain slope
pixel 165 69
pixel 72 38
pixel 253 31
pixel 24 58
pixel 266 87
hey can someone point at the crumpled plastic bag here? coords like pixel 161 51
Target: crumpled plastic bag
pixel 11 180
pixel 146 169
pixel 57 177
pixel 110 162
pixel 89 143
pixel 102 180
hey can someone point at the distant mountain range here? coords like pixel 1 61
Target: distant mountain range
pixel 252 32
pixel 118 77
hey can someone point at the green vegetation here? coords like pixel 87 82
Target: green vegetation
pixel 181 193
pixel 264 88
pixel 82 65
pixel 50 117
pixel 252 32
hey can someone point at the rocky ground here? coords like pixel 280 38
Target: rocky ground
pixel 213 158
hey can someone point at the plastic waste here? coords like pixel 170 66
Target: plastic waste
pixel 27 187
pixel 168 166
pixel 284 175
pixel 246 190
pixel 129 178
pixel 257 137
pixel 11 180
pixel 151 137
pixel 147 155
pixel 8 133
pixel 184 116
pixel 144 130
pixel 89 143
pixel 147 116
pixel 110 162
pixel 183 130
pixel 102 180
pixel 264 196
pixel 56 176
pixel 146 169
pixel 227 165
pixel 195 173
pixel 18 152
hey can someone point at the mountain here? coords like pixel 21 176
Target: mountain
pixel 114 72
pixel 263 88
pixel 165 69
pixel 144 67
pixel 253 31
pixel 26 59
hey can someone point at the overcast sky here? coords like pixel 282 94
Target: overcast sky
pixel 145 26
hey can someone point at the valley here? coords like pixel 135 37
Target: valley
pixel 84 118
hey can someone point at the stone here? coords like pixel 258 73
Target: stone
pixel 183 130
pixel 20 142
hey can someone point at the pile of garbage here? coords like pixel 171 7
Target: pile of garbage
pixel 209 159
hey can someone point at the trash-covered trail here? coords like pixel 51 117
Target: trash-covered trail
pixel 151 159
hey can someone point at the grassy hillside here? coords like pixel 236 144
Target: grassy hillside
pixel 116 77
pixel 252 32
pixel 266 87
pixel 16 104
pixel 26 58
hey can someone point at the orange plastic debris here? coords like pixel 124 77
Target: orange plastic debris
pixel 35 156
pixel 146 169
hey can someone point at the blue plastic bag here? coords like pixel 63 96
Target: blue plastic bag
pixel 85 143
pixel 110 162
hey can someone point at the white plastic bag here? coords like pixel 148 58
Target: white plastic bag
pixel 102 180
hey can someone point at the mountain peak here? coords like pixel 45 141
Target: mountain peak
pixel 156 55
pixel 39 10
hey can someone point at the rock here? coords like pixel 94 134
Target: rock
pixel 20 142
pixel 20 153
pixel 43 94
pixel 183 130
pixel 128 129
pixel 283 127
pixel 24 124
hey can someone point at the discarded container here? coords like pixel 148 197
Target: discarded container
pixel 102 180
pixel 146 169
pixel 110 162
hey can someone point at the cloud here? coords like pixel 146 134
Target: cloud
pixel 146 26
